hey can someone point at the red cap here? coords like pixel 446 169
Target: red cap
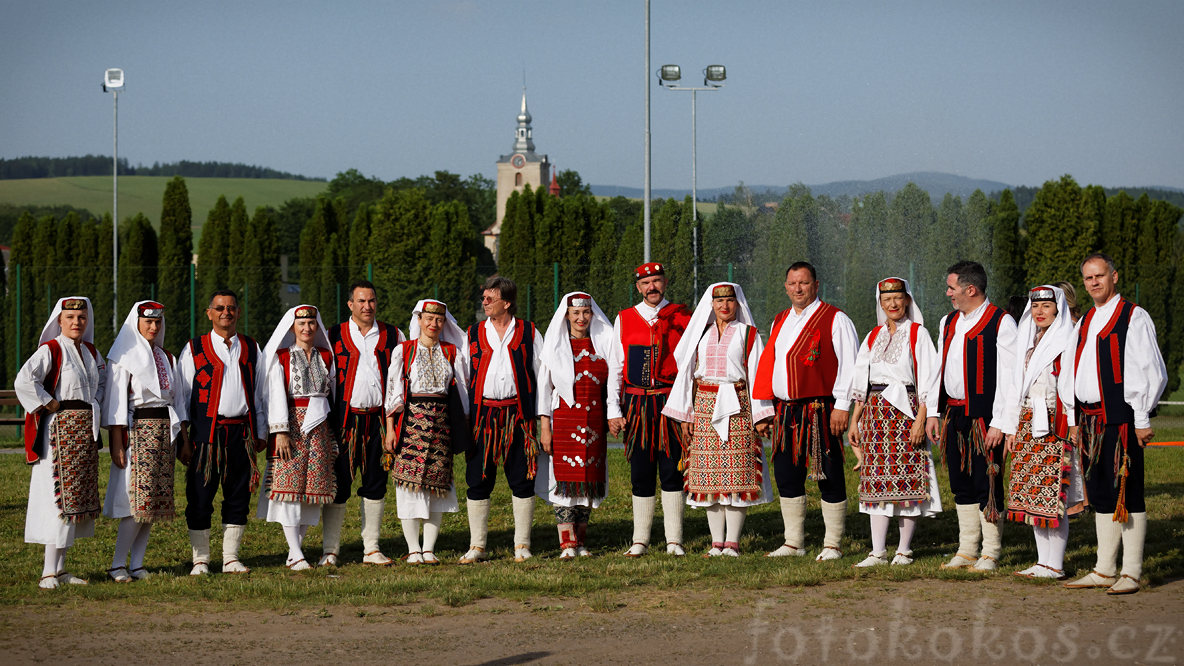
pixel 648 270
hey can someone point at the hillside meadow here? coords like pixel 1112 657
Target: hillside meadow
pixel 143 194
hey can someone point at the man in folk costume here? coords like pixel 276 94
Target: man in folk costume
pixel 222 383
pixel 806 371
pixel 642 370
pixel 62 387
pixel 978 343
pixel 1118 377
pixel 504 352
pixel 362 347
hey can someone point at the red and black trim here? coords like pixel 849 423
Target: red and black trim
pixel 33 419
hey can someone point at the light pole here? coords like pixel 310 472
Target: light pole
pixel 713 78
pixel 113 83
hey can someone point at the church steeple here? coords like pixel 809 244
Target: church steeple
pixel 523 135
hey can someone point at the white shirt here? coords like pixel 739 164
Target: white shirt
pixel 890 362
pixel 232 403
pixel 367 392
pixel 1144 373
pixel 426 377
pixel 953 379
pixel 843 339
pixel 616 358
pixel 80 377
pixel 499 375
pixel 126 393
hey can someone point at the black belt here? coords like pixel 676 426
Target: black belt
pixel 879 388
pixel 152 413
pixel 64 405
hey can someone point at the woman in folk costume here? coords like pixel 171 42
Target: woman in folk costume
pixel 896 373
pixel 426 424
pixel 299 478
pixel 725 468
pixel 1046 485
pixel 61 387
pixel 142 417
pixel 573 424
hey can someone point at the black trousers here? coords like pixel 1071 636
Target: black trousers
pixel 1101 480
pixel 791 476
pixel 643 435
pixel 228 461
pixel 361 451
pixel 481 469
pixel 969 481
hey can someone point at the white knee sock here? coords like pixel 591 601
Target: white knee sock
pixel 51 561
pixel 1058 539
pixel 1041 534
pixel 140 545
pixel 880 532
pixel 908 525
pixel 123 541
pixel 431 530
pixel 716 523
pixel 292 534
pixel 734 519
pixel 411 533
pixel 303 533
pixel 60 565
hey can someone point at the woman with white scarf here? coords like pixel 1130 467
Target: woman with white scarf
pixel 143 420
pixel 896 372
pixel 426 424
pixel 1045 485
pixel 573 426
pixel 717 359
pixel 61 388
pixel 301 450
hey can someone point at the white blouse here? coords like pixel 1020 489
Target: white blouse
pixel 307 378
pixel 82 377
pixel 430 375
pixel 889 361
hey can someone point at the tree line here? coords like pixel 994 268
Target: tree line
pixel 100 165
pixel 422 237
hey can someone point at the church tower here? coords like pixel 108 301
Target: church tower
pixel 515 171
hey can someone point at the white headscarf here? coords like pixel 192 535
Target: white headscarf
pixel 914 311
pixel 450 333
pixel 283 338
pixel 727 402
pixel 556 353
pixel 53 329
pixel 1055 340
pixel 133 352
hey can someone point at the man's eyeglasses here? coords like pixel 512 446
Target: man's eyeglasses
pixel 490 299
pixel 228 308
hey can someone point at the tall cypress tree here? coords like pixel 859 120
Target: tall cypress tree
pixel 399 236
pixel 452 252
pixel 261 261
pixel 516 244
pixel 869 220
pixel 1007 260
pixel 212 250
pixel 98 261
pixel 176 256
pixel 1062 224
pixel 19 345
pixel 236 247
pixel 137 261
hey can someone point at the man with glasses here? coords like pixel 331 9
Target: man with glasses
pixel 362 346
pixel 502 392
pixel 224 385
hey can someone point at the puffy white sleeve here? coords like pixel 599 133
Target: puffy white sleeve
pixel 861 373
pixel 460 374
pixel 1005 360
pixel 30 380
pixel 394 381
pixel 184 384
pixel 262 391
pixel 928 372
pixel 761 409
pixel 1145 375
pixel 845 340
pixel 115 403
pixel 616 366
pixel 933 403
pixel 277 398
pixel 546 392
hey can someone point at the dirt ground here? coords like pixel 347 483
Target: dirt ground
pixel 850 622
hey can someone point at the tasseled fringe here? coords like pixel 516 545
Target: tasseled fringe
pixel 1091 442
pixel 580 488
pixel 421 487
pixel 215 458
pixel 1035 521
pixel 495 426
pixel 1122 471
pixel 812 433
pixel 746 496
pixel 640 415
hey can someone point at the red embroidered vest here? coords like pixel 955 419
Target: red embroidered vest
pixel 811 364
pixel 649 350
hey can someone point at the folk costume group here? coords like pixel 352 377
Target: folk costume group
pixel 691 393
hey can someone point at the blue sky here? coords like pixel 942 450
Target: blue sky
pixel 1018 92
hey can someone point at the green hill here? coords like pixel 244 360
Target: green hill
pixel 143 194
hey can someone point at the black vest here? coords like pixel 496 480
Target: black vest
pixel 1111 345
pixel 521 350
pixel 980 356
pixel 207 385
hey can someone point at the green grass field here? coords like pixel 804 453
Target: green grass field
pixel 143 194
pixel 601 581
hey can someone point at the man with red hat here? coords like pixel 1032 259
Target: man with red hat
pixel 641 373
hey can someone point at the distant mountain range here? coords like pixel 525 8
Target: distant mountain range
pixel 935 183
